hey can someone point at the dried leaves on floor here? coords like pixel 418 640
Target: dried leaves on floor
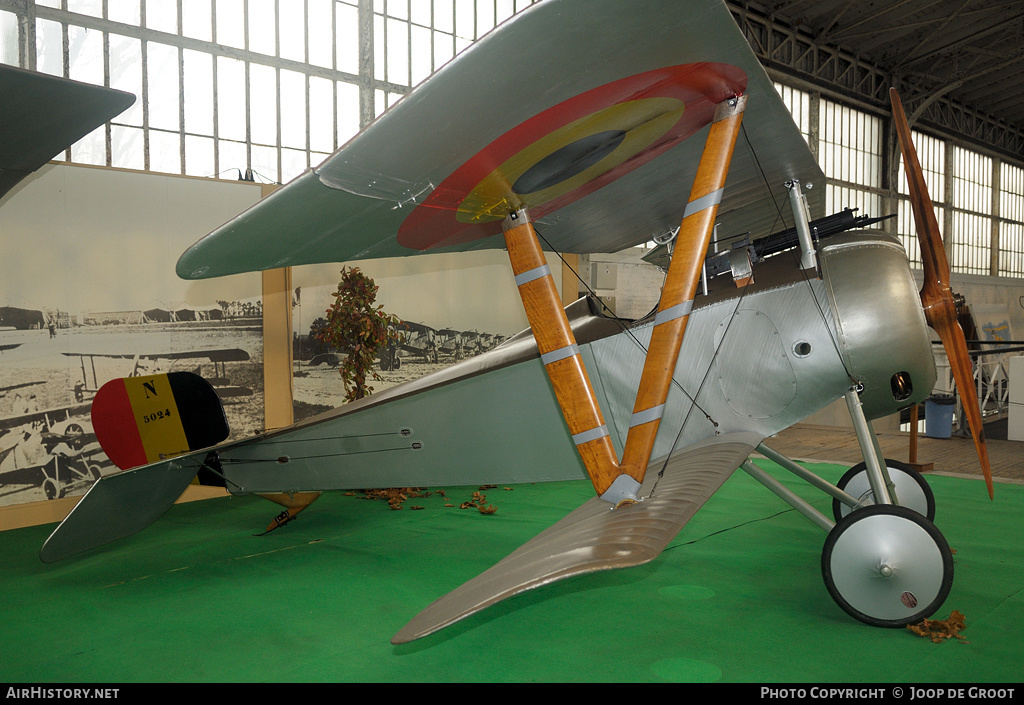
pixel 397 496
pixel 939 630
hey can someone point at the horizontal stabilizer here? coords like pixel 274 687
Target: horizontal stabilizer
pixel 120 505
pixel 596 537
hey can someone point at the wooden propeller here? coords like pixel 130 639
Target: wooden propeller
pixel 936 295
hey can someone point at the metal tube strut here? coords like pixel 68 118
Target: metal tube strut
pixel 877 473
pixel 808 255
pixel 787 496
pixel 812 479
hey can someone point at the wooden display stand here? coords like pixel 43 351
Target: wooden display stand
pixel 920 467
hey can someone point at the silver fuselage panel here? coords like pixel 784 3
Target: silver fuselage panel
pixel 879 319
pixel 757 359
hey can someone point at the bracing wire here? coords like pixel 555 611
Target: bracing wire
pixel 622 323
pixel 241 461
pixel 780 216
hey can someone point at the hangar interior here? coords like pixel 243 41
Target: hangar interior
pixel 235 98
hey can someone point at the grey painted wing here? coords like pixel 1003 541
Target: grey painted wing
pixel 357 202
pixel 595 537
pixel 43 115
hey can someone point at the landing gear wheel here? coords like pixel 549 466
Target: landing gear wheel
pixel 887 566
pixel 912 490
pixel 52 489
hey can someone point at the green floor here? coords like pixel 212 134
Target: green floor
pixel 737 597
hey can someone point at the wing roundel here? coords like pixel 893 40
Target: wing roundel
pixel 569 151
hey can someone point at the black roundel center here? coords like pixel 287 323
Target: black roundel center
pixel 568 161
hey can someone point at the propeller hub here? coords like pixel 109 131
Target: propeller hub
pixel 959 301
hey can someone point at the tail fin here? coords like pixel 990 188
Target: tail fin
pixel 141 420
pixel 150 427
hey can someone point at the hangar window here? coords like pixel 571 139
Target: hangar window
pixel 1011 223
pixel 161 15
pixel 849 152
pixel 414 38
pixel 196 19
pixel 931 153
pixel 8 38
pixel 228 86
pixel 799 104
pixel 126 11
pixel 972 210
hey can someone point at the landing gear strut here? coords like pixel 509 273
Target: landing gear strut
pixel 884 562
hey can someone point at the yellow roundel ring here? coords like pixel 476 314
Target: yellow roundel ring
pixel 570 150
pixel 570 157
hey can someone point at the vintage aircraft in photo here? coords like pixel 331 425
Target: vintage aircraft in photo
pixel 592 126
pixel 151 362
pixel 418 341
pixel 450 343
pixel 52 449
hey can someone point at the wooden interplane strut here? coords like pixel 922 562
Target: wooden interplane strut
pixel 559 352
pixel 680 286
pixel 613 481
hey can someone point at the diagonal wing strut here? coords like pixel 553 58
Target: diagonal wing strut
pixel 617 482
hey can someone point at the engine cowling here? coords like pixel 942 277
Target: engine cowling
pixel 883 336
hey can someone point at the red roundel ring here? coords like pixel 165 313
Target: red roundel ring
pixel 570 150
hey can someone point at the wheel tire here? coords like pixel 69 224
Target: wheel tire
pixel 52 489
pixel 912 490
pixel 860 548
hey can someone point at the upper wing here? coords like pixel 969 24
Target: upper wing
pixel 44 114
pixel 594 537
pixel 589 113
pixel 213 354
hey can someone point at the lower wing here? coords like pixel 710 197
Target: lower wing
pixel 595 537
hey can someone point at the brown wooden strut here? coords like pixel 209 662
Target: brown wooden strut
pixel 557 345
pixel 559 353
pixel 681 285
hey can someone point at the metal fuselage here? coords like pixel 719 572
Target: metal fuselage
pixel 758 358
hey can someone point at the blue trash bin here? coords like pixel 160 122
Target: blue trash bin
pixel 938 415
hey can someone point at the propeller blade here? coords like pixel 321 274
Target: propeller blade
pixel 936 295
pixel 933 253
pixel 952 336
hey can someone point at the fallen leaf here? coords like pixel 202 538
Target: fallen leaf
pixel 938 630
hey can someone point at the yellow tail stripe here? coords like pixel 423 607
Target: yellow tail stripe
pixel 156 416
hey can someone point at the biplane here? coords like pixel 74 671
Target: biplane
pixel 471 342
pixel 147 363
pixel 593 126
pixel 418 340
pixel 449 343
pixel 53 449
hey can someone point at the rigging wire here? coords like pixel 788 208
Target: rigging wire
pixel 781 216
pixel 414 445
pixel 288 459
pixel 732 317
pixel 622 322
